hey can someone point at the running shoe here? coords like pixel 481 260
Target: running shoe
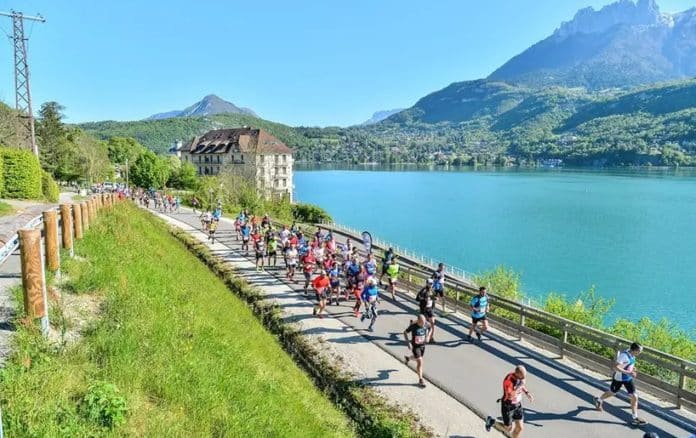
pixel 362 317
pixel 421 383
pixel 432 340
pixel 598 404
pixel 406 359
pixel 490 422
pixel 637 421
pixel 478 336
pixel 314 311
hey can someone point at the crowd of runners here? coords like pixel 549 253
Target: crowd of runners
pixel 161 201
pixel 338 273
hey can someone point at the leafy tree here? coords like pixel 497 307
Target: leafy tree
pixel 122 149
pixel 93 158
pixel 150 171
pixel 51 135
pixel 183 177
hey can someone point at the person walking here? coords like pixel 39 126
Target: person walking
pixel 479 309
pixel 511 401
pixel 421 333
pixel 624 375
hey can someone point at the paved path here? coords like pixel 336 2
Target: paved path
pixel 366 361
pixel 473 373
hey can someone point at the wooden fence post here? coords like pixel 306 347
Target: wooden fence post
pixel 92 215
pixel 523 320
pixel 33 279
pixel 51 241
pixel 77 218
pixel 85 216
pixel 66 228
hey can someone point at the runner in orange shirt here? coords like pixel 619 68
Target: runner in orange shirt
pixel 320 285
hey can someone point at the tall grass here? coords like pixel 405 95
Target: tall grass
pixel 187 356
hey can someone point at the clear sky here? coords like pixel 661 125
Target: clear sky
pixel 315 63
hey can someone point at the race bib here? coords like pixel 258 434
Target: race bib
pixel 429 303
pixel 419 339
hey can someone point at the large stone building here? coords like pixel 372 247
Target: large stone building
pixel 253 153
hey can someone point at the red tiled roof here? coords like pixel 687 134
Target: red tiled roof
pixel 244 140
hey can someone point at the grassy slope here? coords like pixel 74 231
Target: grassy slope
pixel 189 357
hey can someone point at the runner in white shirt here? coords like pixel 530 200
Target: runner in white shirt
pixel 291 255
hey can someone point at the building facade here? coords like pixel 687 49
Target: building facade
pixel 253 153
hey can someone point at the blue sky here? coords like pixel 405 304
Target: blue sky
pixel 299 62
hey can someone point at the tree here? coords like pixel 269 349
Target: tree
pixel 150 171
pixel 184 177
pixel 92 157
pixel 122 149
pixel 52 135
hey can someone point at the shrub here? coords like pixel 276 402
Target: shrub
pixel 49 187
pixel 309 213
pixel 103 405
pixel 22 173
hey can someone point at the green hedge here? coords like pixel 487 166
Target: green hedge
pixel 22 174
pixel 49 187
pixel 2 176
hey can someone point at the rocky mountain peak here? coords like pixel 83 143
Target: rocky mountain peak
pixel 628 12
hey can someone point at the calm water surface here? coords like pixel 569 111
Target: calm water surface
pixel 630 234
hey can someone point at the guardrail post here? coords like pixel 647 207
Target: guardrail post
pixel 92 210
pixel 85 216
pixel 66 228
pixel 33 278
pixel 682 383
pixel 77 218
pixel 564 341
pixel 523 320
pixel 51 241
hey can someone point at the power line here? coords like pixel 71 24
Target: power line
pixel 21 70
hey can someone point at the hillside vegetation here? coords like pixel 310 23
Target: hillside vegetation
pixel 483 122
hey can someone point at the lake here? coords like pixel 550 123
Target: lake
pixel 631 234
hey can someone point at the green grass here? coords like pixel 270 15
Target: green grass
pixel 188 357
pixel 6 209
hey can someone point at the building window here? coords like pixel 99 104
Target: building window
pixel 241 158
pixel 200 170
pixel 199 159
pixel 285 182
pixel 218 158
pixel 285 159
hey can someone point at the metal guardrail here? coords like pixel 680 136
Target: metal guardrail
pixel 526 321
pixel 13 242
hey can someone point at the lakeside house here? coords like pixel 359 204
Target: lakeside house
pixel 248 152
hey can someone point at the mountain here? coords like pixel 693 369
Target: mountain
pixel 381 115
pixel 624 44
pixel 208 106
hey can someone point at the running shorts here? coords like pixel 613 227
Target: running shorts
pixel 617 384
pixel 427 312
pixel 474 319
pixel 511 412
pixel 418 350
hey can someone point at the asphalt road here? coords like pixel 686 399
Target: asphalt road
pixel 473 373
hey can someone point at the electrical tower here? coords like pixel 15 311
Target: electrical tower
pixel 21 69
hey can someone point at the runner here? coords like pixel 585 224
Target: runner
pixel 624 373
pixel 357 291
pixel 320 285
pixel 206 219
pixel 425 302
pixel 370 265
pixel 272 250
pixel 194 204
pixel 260 247
pixel 438 277
pixel 335 282
pixel 511 402
pixel 392 276
pixel 211 231
pixel 385 263
pixel 420 335
pixel 238 228
pixel 479 307
pixel 246 235
pixel 308 265
pixel 291 257
pixel 370 296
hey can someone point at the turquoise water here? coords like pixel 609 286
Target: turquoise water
pixel 631 234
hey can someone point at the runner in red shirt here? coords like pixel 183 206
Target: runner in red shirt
pixel 511 402
pixel 308 264
pixel 320 285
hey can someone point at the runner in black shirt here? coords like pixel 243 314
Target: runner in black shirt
pixel 420 335
pixel 425 298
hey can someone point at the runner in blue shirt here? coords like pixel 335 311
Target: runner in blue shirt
pixel 246 234
pixel 624 373
pixel 369 296
pixel 479 308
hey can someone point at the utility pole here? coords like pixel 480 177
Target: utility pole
pixel 21 68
